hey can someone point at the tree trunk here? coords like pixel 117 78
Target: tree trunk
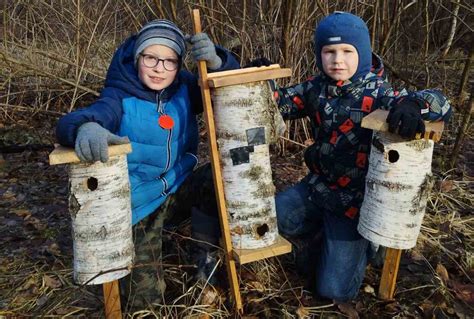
pixel 99 203
pixel 397 187
pixel 245 125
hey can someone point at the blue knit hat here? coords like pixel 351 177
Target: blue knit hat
pixel 162 32
pixel 343 27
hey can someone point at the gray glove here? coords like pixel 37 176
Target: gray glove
pixel 92 142
pixel 202 48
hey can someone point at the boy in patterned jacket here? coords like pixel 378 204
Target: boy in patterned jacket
pixel 351 85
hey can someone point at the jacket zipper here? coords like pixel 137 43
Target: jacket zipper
pixel 161 111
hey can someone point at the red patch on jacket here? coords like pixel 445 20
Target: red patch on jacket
pixel 343 181
pixel 351 212
pixel 346 126
pixel 298 102
pixel 318 118
pixel 367 103
pixel 361 159
pixel 333 139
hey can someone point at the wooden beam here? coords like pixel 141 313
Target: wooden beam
pixel 280 247
pixel 214 75
pixel 65 155
pixel 112 300
pixel 389 273
pixel 377 121
pixel 256 74
pixel 216 173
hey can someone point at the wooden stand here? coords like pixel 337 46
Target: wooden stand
pixel 63 155
pixel 433 130
pixel 112 300
pixel 224 79
pixel 244 256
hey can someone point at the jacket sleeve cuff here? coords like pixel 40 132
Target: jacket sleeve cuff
pixel 228 60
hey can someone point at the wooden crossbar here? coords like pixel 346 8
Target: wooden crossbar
pixel 377 121
pixel 248 75
pixel 67 155
pixel 280 247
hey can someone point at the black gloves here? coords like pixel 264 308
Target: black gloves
pixel 406 117
pixel 258 63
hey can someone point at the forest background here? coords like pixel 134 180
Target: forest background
pixel 53 59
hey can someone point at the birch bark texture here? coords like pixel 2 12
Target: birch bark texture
pixel 397 186
pixel 247 121
pixel 99 204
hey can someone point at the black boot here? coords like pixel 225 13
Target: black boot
pixel 205 233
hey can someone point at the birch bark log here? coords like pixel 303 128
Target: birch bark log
pixel 99 203
pixel 246 123
pixel 397 186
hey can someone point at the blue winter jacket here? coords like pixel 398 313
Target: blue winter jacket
pixel 161 158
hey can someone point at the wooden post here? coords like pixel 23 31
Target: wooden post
pixel 389 273
pixel 216 173
pixel 112 300
pixel 102 231
pixel 377 122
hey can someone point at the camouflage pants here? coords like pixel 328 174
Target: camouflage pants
pixel 146 285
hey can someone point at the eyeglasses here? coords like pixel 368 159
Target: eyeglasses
pixel 151 61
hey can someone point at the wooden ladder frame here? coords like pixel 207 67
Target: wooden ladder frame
pixel 215 80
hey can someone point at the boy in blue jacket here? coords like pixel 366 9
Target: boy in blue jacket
pixel 352 84
pixel 150 101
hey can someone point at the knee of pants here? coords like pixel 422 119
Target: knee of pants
pixel 290 224
pixel 339 290
pixel 291 215
pixel 340 278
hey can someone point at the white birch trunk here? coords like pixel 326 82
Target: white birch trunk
pixel 397 187
pixel 246 122
pixel 99 203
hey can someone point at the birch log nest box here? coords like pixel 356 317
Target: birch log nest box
pixel 99 204
pixel 246 122
pixel 398 183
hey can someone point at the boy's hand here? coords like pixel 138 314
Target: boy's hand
pixel 202 48
pixel 406 117
pixel 92 142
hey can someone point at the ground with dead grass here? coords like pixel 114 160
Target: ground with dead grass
pixel 435 278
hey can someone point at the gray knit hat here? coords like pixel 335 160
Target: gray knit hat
pixel 162 32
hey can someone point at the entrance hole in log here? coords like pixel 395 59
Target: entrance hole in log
pixel 393 156
pixel 262 230
pixel 92 183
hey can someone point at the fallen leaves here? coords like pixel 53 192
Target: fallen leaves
pixel 368 289
pixel 446 186
pixel 36 223
pixel 442 272
pixel 51 282
pixel 302 312
pixel 464 292
pixel 212 296
pixel 348 309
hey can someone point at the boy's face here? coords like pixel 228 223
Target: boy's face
pixel 339 61
pixel 157 66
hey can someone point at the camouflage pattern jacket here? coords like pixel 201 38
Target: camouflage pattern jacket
pixel 338 159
